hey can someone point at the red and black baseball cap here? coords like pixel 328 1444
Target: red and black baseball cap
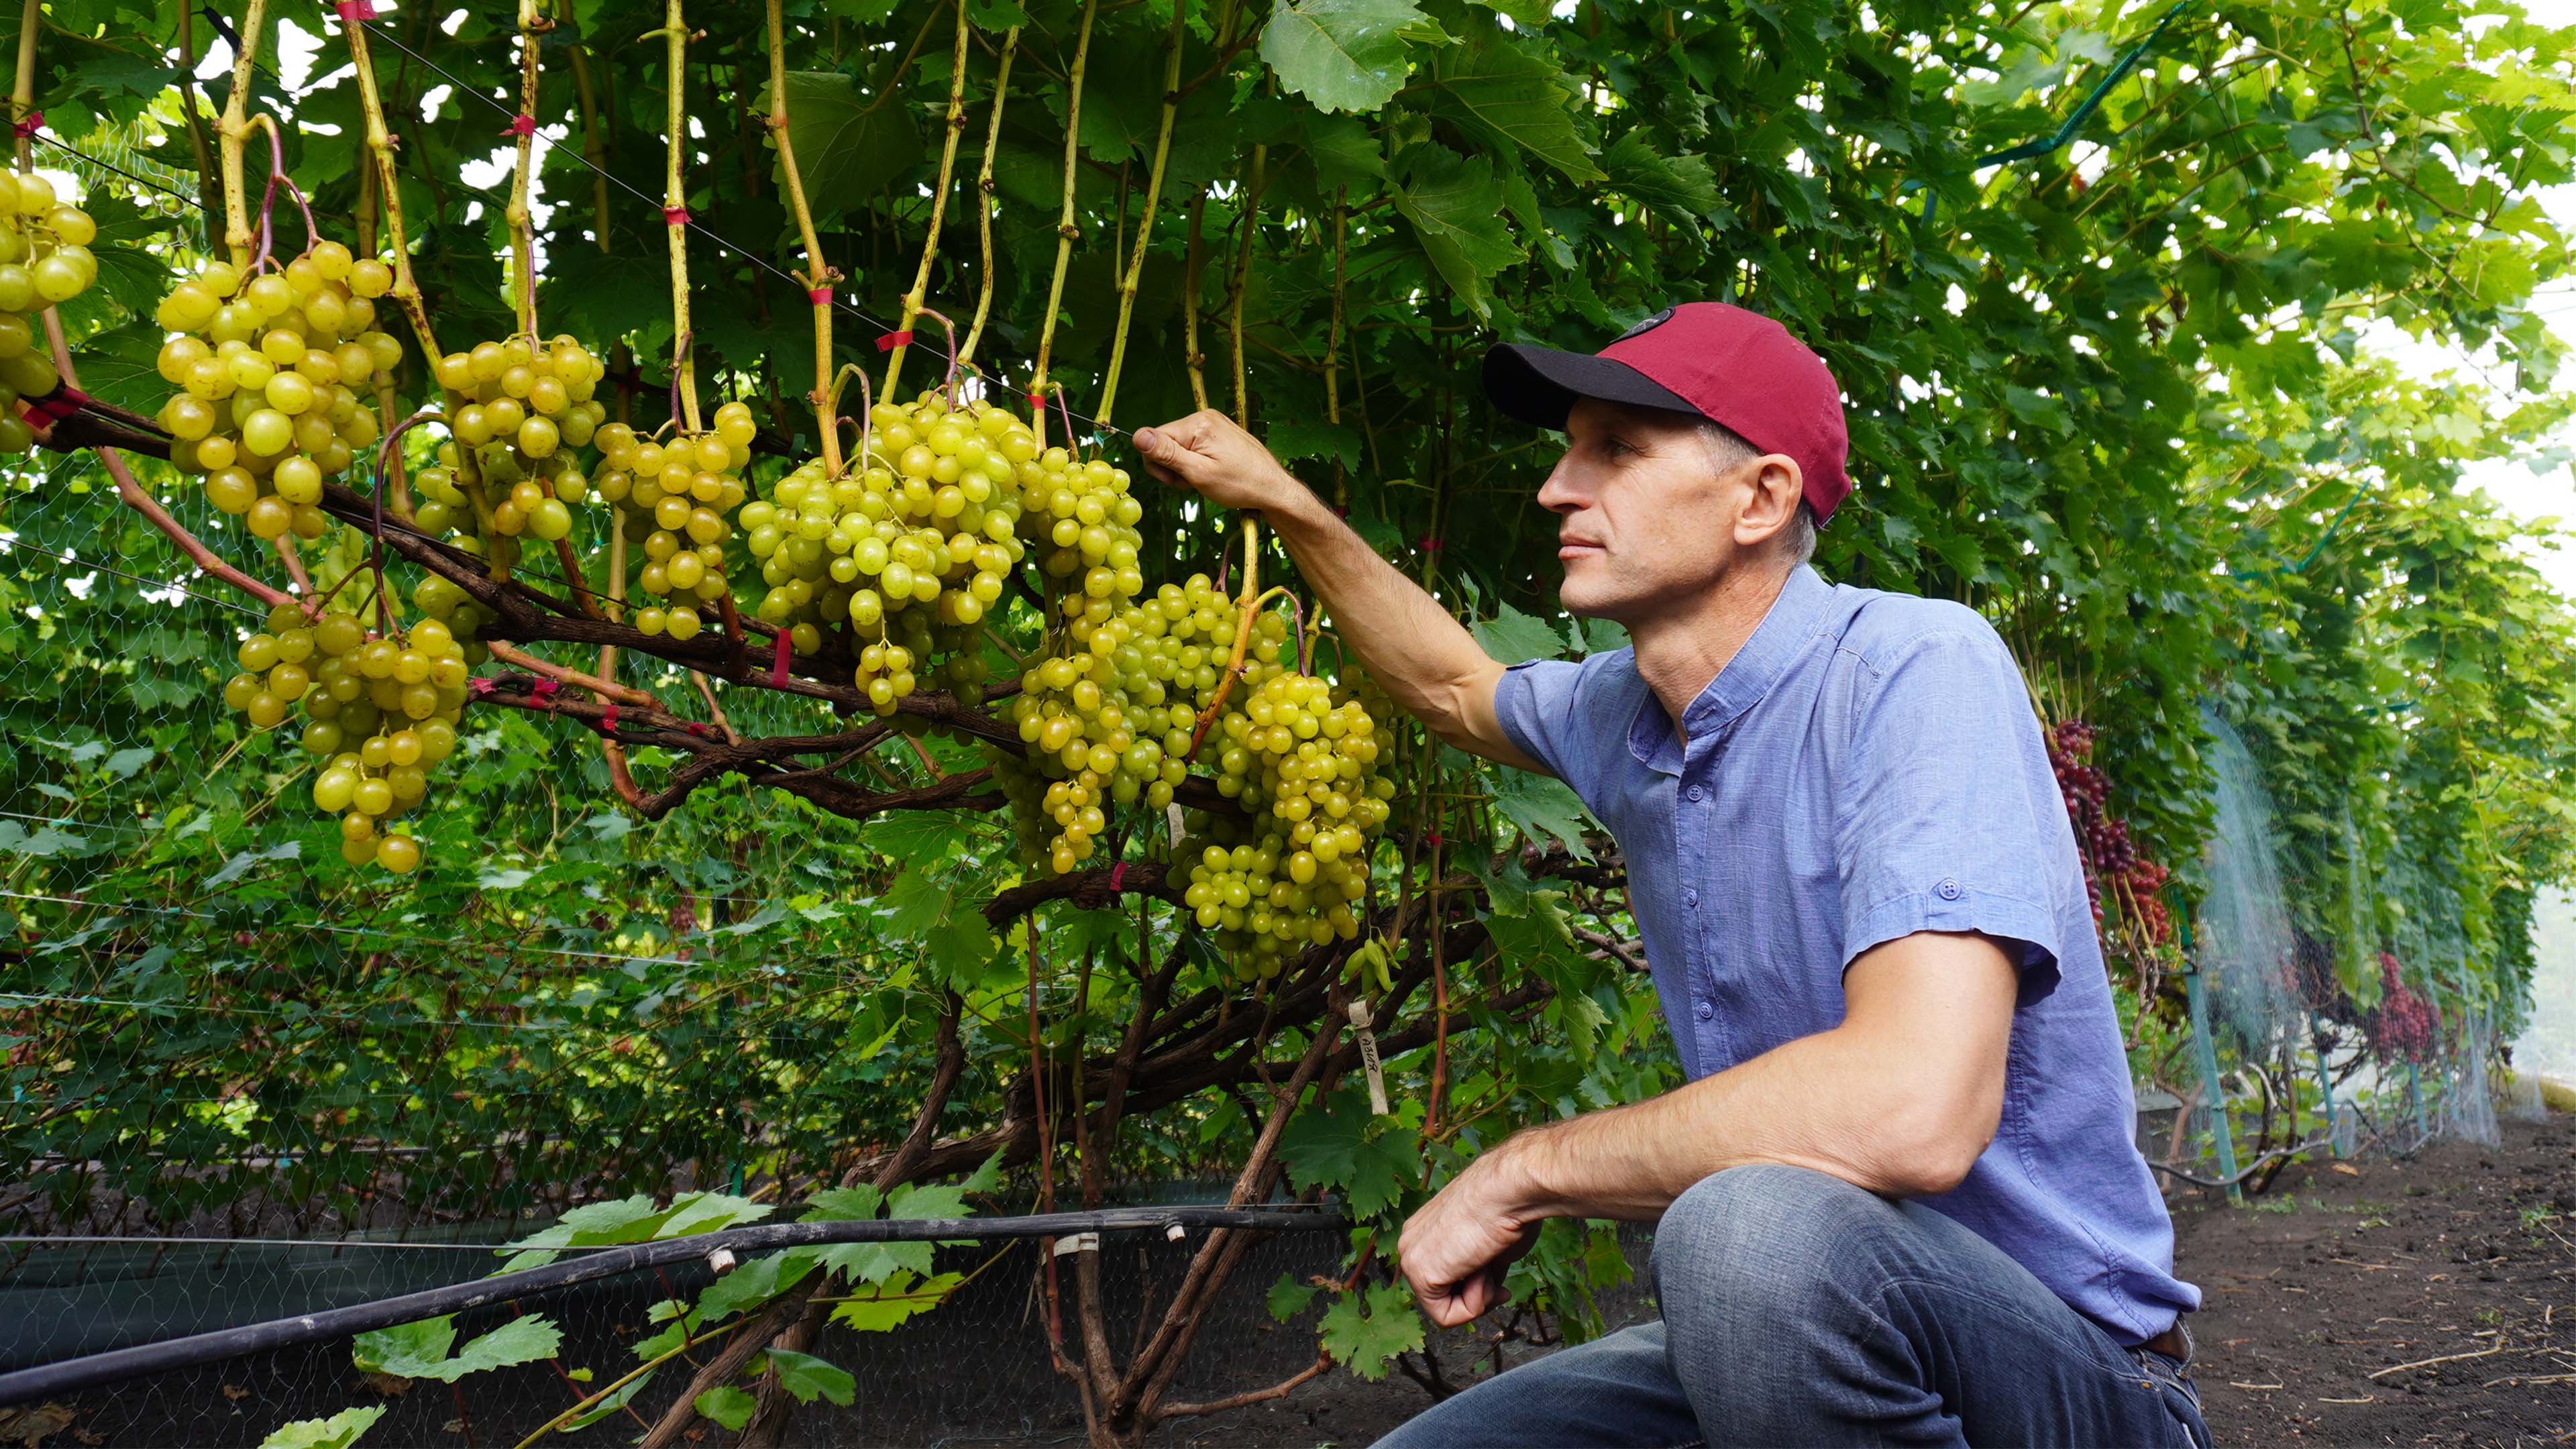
pixel 1738 369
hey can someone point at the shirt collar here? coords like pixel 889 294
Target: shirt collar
pixel 1774 645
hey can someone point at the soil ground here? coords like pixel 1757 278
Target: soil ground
pixel 2428 1301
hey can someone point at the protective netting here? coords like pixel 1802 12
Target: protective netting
pixel 975 1368
pixel 2245 941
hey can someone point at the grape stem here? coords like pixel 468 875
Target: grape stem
pixel 518 658
pixel 1066 229
pixel 983 194
pixel 818 274
pixel 675 204
pixel 912 300
pixel 235 129
pixel 1250 602
pixel 268 197
pixel 523 238
pixel 1145 224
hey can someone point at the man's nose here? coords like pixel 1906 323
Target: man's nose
pixel 1559 493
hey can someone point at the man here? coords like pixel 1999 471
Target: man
pixel 1898 1201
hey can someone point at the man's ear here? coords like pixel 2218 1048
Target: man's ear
pixel 1771 499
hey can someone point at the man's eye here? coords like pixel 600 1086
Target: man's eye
pixel 1617 446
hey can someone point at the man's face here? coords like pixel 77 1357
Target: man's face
pixel 1646 518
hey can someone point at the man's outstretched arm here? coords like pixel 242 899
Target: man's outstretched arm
pixel 1899 1099
pixel 1430 665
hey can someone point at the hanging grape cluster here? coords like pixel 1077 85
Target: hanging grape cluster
pixel 379 711
pixel 276 373
pixel 1110 721
pixel 2402 1026
pixel 526 408
pixel 2110 856
pixel 910 548
pixel 680 495
pixel 44 260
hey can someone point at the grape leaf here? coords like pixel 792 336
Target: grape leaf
pixel 727 1405
pixel 1543 806
pixel 337 1432
pixel 890 1304
pixel 1682 188
pixel 1512 636
pixel 1342 55
pixel 1364 1330
pixel 612 1402
pixel 810 1378
pixel 1288 1297
pixel 1456 208
pixel 1509 98
pixel 848 145
pixel 1339 1143
pixel 419 1350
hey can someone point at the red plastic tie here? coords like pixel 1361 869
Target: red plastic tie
pixel 821 296
pixel 28 124
pixel 1117 876
pixel 1037 400
pixel 478 686
pixel 1432 837
pixel 1427 544
pixel 675 216
pixel 893 340
pixel 520 126
pixel 355 10
pixel 544 693
pixel 55 406
pixel 608 719
pixel 778 663
pixel 697 729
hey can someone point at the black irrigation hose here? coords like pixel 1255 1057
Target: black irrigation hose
pixel 72 1375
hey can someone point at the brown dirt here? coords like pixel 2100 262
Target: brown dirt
pixel 2465 1254
pixel 2330 1278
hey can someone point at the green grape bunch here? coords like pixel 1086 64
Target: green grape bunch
pixel 526 407
pixel 44 261
pixel 275 372
pixel 380 711
pixel 681 494
pixel 1304 766
pixel 911 548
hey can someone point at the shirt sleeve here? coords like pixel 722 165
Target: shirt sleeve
pixel 1540 707
pixel 1942 822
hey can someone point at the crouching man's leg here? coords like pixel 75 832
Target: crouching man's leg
pixel 1800 1309
pixel 1616 1392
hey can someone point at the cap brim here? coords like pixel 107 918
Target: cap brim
pixel 1540 384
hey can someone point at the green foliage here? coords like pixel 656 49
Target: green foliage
pixel 2119 396
pixel 337 1432
pixel 1366 1328
pixel 420 1350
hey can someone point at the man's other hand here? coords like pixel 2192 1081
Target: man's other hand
pixel 1208 454
pixel 1457 1248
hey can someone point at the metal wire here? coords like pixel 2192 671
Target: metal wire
pixel 12 542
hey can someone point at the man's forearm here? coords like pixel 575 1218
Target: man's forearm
pixel 1426 661
pixel 1866 1101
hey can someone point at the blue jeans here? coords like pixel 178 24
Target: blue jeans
pixel 1799 1309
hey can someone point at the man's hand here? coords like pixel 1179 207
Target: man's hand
pixel 1211 456
pixel 1456 1250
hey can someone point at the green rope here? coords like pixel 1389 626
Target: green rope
pixel 2043 145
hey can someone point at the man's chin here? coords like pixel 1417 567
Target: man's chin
pixel 1590 599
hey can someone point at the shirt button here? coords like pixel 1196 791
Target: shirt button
pixel 1697 793
pixel 1949 890
pixel 1706 1010
pixel 1690 898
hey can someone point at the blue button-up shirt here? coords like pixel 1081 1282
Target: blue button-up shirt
pixel 1865 767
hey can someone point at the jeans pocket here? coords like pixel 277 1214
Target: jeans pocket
pixel 2181 1397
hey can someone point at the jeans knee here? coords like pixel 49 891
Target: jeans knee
pixel 1764 1240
